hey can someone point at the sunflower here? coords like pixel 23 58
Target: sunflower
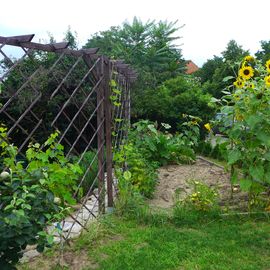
pixel 238 83
pixel 251 85
pixel 236 97
pixel 267 64
pixel 239 116
pixel 208 127
pixel 267 80
pixel 249 58
pixel 246 72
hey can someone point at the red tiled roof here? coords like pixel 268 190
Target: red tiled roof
pixel 191 67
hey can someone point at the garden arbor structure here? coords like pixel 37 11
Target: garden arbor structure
pixel 48 87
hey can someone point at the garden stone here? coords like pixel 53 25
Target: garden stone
pixel 28 255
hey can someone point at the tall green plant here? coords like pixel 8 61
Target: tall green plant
pixel 247 112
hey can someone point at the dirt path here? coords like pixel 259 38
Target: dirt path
pixel 175 177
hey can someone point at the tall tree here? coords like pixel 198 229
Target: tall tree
pixel 149 47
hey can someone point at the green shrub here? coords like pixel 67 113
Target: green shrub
pixel 32 197
pixel 162 148
pixel 176 96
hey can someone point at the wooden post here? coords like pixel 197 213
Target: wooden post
pixel 108 128
pixel 100 138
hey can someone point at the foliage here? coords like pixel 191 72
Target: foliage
pixel 149 48
pixel 46 73
pixel 182 95
pixel 247 107
pixel 145 150
pixel 215 70
pixel 264 53
pixel 162 148
pixel 32 197
pixel 140 176
pixel 218 151
pixel 89 158
pixel 200 204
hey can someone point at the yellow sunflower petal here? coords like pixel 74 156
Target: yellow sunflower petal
pixel 267 80
pixel 208 127
pixel 249 58
pixel 267 64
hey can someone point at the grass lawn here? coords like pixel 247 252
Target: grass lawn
pixel 156 243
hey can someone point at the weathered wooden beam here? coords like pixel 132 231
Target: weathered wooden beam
pixel 16 39
pixel 60 45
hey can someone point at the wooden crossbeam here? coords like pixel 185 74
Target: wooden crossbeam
pixel 25 41
pixel 16 39
pixel 60 45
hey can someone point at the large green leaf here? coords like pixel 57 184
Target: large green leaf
pixel 257 172
pixel 253 120
pixel 233 156
pixel 264 137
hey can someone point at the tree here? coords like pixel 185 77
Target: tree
pixel 172 99
pixel 264 53
pixel 149 48
pixel 206 73
pixel 234 52
pixel 215 70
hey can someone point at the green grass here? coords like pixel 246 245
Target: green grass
pixel 217 245
pixel 156 243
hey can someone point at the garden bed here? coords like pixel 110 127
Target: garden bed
pixel 178 177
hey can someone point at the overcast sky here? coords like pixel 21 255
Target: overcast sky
pixel 209 24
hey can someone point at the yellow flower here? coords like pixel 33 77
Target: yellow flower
pixel 238 83
pixel 267 80
pixel 208 127
pixel 267 64
pixel 249 58
pixel 246 72
pixel 239 117
pixel 251 85
pixel 236 97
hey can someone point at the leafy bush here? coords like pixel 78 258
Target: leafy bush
pixel 32 197
pixel 162 148
pixel 175 97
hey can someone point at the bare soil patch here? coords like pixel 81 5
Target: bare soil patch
pixel 177 177
pixel 69 259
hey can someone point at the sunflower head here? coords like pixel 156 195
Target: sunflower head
pixel 249 58
pixel 267 80
pixel 246 72
pixel 251 85
pixel 238 83
pixel 267 64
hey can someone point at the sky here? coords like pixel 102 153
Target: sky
pixel 209 24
